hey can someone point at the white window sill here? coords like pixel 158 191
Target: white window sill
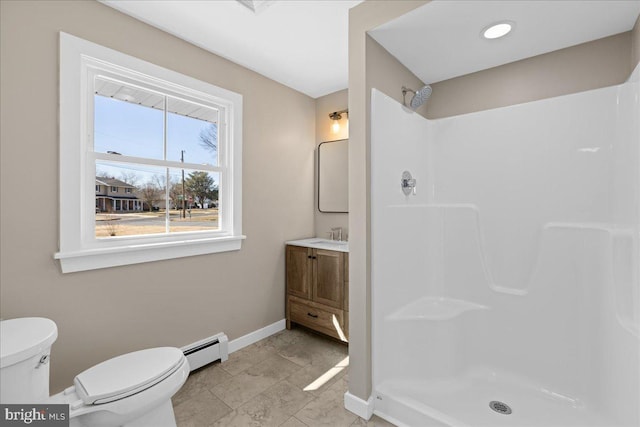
pixel 93 259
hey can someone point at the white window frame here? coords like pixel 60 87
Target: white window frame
pixel 79 248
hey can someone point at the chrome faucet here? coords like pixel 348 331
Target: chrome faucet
pixel 334 231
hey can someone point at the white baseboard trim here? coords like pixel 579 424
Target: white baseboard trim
pixel 256 336
pixel 363 409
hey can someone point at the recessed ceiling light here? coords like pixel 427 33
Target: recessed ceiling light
pixel 497 30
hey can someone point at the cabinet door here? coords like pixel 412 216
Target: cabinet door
pixel 345 306
pixel 299 271
pixel 328 284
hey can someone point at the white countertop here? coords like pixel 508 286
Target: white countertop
pixel 318 243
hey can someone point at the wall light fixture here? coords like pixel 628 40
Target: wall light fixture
pixel 336 116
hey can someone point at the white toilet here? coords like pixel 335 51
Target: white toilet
pixel 134 389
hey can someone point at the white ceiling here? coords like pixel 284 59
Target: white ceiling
pixel 299 43
pixel 441 39
pixel 303 43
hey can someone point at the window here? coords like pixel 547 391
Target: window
pixel 167 146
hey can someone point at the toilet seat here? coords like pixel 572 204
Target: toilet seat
pixel 126 375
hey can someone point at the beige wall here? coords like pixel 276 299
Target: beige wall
pixel 635 44
pixel 599 63
pixel 325 105
pixel 584 67
pixel 103 313
pixel 368 65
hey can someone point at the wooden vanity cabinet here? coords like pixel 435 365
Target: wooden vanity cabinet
pixel 317 290
pixel 298 271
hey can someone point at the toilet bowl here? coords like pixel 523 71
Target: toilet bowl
pixel 132 390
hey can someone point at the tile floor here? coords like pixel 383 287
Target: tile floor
pixel 279 381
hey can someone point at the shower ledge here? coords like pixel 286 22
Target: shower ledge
pixel 435 308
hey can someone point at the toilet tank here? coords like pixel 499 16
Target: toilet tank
pixel 25 348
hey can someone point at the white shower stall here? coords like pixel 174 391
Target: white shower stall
pixel 506 290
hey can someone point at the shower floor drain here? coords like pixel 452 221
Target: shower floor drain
pixel 499 407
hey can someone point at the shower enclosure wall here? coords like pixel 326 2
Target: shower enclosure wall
pixel 512 274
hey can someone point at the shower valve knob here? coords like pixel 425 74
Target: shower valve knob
pixel 408 183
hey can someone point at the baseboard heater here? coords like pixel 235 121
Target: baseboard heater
pixel 207 350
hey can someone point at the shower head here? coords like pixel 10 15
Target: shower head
pixel 419 97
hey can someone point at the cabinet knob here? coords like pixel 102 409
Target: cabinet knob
pixel 315 316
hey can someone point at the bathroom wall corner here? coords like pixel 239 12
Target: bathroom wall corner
pixel 362 18
pixel 337 101
pixel 635 44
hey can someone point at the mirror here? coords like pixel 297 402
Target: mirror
pixel 333 177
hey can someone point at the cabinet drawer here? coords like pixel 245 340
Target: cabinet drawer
pixel 324 319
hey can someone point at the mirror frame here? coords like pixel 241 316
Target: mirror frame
pixel 320 174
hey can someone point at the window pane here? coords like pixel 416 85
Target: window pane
pixel 128 120
pixel 194 204
pixel 130 199
pixel 192 132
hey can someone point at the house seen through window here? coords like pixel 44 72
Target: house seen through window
pixel 143 134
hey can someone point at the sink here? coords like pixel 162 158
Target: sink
pixel 327 242
pixel 320 243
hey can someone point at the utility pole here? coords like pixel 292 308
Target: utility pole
pixel 183 194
